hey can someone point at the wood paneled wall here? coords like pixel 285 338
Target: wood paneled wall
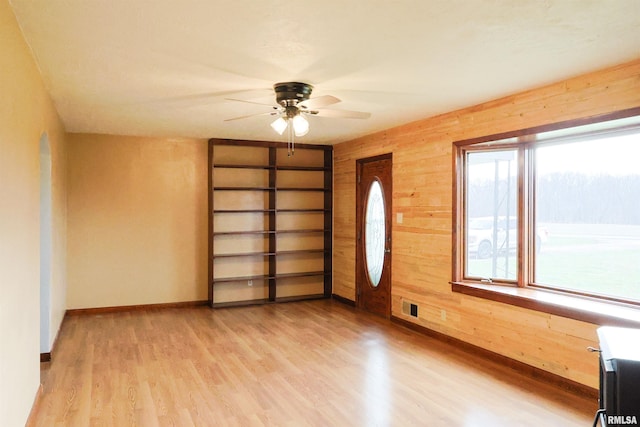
pixel 422 244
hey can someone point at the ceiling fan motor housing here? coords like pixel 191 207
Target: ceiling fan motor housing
pixel 289 94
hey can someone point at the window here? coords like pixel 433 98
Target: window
pixel 491 214
pixel 374 233
pixel 554 208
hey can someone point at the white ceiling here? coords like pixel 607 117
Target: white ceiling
pixel 166 67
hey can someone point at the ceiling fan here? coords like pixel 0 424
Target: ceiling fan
pixel 294 102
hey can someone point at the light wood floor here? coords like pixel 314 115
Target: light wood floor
pixel 317 363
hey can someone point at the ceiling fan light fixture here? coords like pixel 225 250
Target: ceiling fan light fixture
pixel 294 101
pixel 279 125
pixel 300 125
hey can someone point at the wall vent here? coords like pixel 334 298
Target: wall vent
pixel 409 308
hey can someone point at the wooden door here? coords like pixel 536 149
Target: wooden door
pixel 373 226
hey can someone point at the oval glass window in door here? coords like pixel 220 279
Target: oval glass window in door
pixel 374 232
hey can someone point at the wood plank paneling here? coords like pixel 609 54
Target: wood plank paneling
pixel 422 192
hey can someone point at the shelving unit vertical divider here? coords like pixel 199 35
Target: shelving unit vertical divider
pixel 328 222
pixel 210 223
pixel 272 223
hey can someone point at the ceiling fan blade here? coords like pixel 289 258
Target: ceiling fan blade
pixel 268 113
pixel 319 102
pixel 252 102
pixel 343 114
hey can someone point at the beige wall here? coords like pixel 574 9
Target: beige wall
pixel 422 244
pixel 137 224
pixel 26 113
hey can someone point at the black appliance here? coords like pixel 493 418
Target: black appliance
pixel 619 377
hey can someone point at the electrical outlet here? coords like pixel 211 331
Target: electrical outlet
pixel 249 282
pixel 443 315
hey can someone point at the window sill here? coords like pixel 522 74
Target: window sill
pixel 571 306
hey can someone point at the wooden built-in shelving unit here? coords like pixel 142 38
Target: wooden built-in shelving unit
pixel 270 222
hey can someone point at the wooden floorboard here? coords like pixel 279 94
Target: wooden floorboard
pixel 315 363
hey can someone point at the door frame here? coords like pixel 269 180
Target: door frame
pixel 359 218
pixel 46 246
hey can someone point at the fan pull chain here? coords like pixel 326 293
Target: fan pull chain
pixel 290 142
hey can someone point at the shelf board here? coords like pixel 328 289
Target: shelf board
pixel 302 274
pixel 240 303
pixel 263 301
pixel 243 254
pixel 302 251
pixel 241 278
pixel 303 210
pixel 255 254
pixel 267 277
pixel 228 211
pixel 301 298
pixel 244 188
pixel 224 211
pixel 231 233
pixel 232 166
pixel 303 168
pixel 303 189
pixel 308 230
